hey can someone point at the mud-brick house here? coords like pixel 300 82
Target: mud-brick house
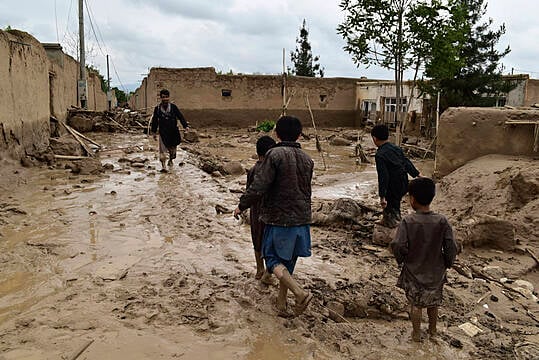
pixel 378 104
pixel 210 99
pixel 525 92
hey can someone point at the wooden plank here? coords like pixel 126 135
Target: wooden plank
pixel 70 157
pixel 522 122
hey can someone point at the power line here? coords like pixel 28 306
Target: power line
pixel 90 15
pixel 67 22
pixel 93 29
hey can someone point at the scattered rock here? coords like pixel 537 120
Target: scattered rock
pixel 489 231
pixel 383 235
pixel 66 145
pixel 81 123
pixel 191 136
pixel 233 168
pixel 336 311
pixel 339 141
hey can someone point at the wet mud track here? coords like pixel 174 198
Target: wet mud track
pixel 140 265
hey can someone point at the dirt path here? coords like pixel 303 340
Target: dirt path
pixel 142 265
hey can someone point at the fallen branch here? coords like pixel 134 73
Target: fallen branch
pixel 81 350
pixel 318 146
pixel 87 138
pixel 533 256
pixel 70 157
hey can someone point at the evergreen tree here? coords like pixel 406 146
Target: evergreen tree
pixel 302 59
pixel 464 65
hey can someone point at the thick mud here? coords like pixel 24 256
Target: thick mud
pixel 138 264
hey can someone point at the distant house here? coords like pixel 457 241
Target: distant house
pixel 378 104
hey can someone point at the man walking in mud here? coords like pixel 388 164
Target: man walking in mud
pixel 393 169
pixel 165 117
pixel 283 182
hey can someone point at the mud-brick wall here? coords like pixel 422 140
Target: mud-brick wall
pixel 210 99
pixel 97 98
pixel 24 94
pixel 532 92
pixel 465 134
pixel 63 75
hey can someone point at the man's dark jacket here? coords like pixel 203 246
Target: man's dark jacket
pixel 283 182
pixel 393 169
pixel 168 124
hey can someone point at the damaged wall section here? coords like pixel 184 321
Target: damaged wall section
pixel 210 99
pixel 38 81
pixel 465 134
pixel 24 95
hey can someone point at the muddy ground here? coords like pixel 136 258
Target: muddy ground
pixel 131 263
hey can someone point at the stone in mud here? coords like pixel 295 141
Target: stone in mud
pixel 336 311
pixel 495 272
pixel 137 165
pixel 139 159
pixel 81 123
pixel 65 146
pixel 339 141
pixel 210 165
pixel 383 235
pixel 108 166
pixel 233 168
pixel 87 166
pixel 524 188
pixel 341 210
pixel 489 231
pixel 191 136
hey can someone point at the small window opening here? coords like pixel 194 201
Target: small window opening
pixel 226 92
pixel 323 98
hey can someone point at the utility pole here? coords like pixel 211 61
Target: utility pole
pixel 284 85
pixel 82 85
pixel 109 93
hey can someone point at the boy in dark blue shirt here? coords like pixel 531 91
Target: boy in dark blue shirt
pixel 393 169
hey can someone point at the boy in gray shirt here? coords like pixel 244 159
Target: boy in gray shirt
pixel 425 247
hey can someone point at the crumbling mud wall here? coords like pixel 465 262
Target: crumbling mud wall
pixel 465 134
pixel 63 77
pixel 210 99
pixel 24 94
pixel 63 74
pixel 97 98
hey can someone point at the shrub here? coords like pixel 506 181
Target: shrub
pixel 266 126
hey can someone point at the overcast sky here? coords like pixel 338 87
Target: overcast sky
pixel 245 36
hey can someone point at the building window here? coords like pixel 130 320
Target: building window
pixel 226 92
pixel 391 105
pixel 323 97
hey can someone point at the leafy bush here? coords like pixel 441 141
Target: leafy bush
pixel 266 126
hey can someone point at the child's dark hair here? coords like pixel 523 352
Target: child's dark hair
pixel 422 189
pixel 380 131
pixel 263 144
pixel 164 92
pixel 288 128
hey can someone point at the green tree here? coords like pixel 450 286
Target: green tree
pixel 304 64
pixel 464 65
pixel 121 96
pixel 378 32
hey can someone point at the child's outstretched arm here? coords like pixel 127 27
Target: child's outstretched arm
pixel 399 245
pixel 449 246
